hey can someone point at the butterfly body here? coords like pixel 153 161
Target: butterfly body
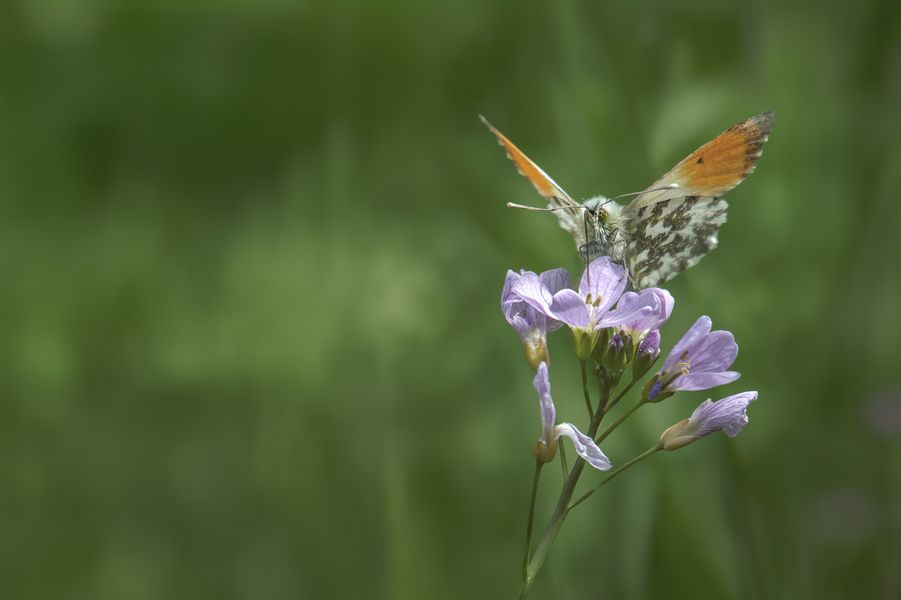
pixel 605 233
pixel 671 225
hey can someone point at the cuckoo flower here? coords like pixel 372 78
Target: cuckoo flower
pixel 590 309
pixel 650 345
pixel 646 356
pixel 530 324
pixel 546 448
pixel 647 321
pixel 697 362
pixel 728 414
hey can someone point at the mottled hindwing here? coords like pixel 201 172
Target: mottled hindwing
pixel 570 216
pixel 672 229
pixel 670 236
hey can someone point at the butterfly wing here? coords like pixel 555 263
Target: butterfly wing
pixel 570 215
pixel 670 236
pixel 714 168
pixel 670 230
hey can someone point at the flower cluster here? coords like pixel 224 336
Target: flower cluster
pixel 619 328
pixel 616 336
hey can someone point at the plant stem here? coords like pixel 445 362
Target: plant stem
pixel 563 460
pixel 613 474
pixel 618 422
pixel 620 395
pixel 561 509
pixel 525 558
pixel 584 365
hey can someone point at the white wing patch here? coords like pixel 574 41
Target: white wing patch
pixel 670 236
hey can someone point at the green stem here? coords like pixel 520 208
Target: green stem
pixel 618 422
pixel 613 474
pixel 525 558
pixel 563 460
pixel 620 395
pixel 584 364
pixel 561 509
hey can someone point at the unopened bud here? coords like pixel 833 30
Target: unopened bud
pixel 648 351
pixel 675 436
pixel 615 357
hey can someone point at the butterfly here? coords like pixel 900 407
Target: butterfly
pixel 669 226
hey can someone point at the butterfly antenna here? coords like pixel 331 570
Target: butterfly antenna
pixel 536 208
pixel 587 271
pixel 671 186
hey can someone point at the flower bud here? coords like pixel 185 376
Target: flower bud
pixel 616 357
pixel 728 415
pixel 673 438
pixel 648 351
pixel 536 353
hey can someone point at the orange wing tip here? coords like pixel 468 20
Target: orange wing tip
pixel 491 127
pixel 765 122
pixel 523 163
pixel 722 163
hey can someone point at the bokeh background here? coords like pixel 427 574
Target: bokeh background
pixel 252 254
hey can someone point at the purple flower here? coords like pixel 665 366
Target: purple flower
pixel 590 309
pixel 728 414
pixel 648 351
pixel 531 324
pixel 697 362
pixel 546 448
pixel 646 321
pixel 650 345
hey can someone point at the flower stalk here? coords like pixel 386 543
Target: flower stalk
pixel 535 478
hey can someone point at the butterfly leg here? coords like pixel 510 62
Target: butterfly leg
pixel 591 250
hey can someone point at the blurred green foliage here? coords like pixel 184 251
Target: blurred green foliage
pixel 253 252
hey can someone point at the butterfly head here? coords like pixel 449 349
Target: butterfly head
pixel 602 214
pixel 595 214
pixel 603 228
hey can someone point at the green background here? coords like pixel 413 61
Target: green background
pixel 252 254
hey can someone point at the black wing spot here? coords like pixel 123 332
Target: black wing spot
pixel 700 160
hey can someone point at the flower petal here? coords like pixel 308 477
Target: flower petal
pixel 650 344
pixel 715 352
pixel 694 334
pixel 638 308
pixel 702 381
pixel 556 280
pixel 530 289
pixel 542 385
pixel 507 293
pixel 585 446
pixel 667 302
pixel 568 306
pixel 608 281
pixel 728 414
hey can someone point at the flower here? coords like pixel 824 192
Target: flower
pixel 546 448
pixel 728 414
pixel 650 345
pixel 590 309
pixel 648 351
pixel 532 325
pixel 697 362
pixel 648 321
